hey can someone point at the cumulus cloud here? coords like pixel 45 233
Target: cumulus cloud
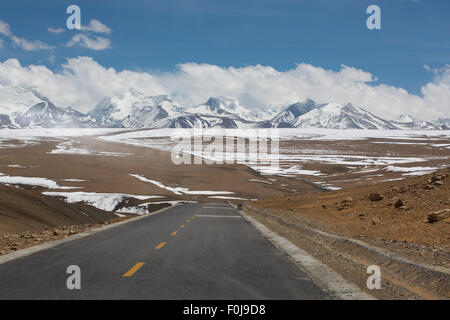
pixel 55 30
pixel 82 40
pixel 437 93
pixel 5 29
pixel 96 26
pixel 82 82
pixel 27 45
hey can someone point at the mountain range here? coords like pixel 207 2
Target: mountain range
pixel 23 108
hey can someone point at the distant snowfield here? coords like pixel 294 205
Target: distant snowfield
pixel 285 134
pixel 68 148
pixel 350 160
pixel 54 132
pixel 179 190
pixel 291 159
pixel 30 136
pixel 160 139
pixel 285 172
pixel 412 170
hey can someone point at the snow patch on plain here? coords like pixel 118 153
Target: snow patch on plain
pixel 102 201
pixel 68 148
pixel 412 171
pixel 259 181
pixel 230 198
pixel 286 172
pixel 31 181
pixel 179 190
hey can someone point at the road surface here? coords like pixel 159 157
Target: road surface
pixel 192 251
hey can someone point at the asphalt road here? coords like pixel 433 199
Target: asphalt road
pixel 193 251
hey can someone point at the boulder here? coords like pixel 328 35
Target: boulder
pixel 438 215
pixel 57 232
pixel 376 196
pixel 398 203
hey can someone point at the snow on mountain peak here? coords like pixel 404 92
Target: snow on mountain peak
pixel 406 118
pixel 338 116
pixel 16 99
pixel 226 106
pixel 134 109
pixel 20 107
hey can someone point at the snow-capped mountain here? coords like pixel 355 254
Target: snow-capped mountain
pixel 442 124
pixel 222 112
pixel 287 117
pixel 409 122
pixel 134 110
pixel 16 100
pixel 225 106
pixel 23 108
pixel 5 122
pixel 45 114
pixel 309 114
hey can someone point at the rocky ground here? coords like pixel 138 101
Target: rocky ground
pixel 393 211
pixel 410 219
pixel 11 242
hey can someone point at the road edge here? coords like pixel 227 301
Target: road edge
pixel 47 245
pixel 326 278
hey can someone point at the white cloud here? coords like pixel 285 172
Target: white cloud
pixel 97 43
pixel 30 45
pixel 93 43
pixel 5 29
pixel 1 43
pixel 55 30
pixel 82 82
pixel 27 45
pixel 96 26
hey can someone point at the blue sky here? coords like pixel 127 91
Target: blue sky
pixel 158 35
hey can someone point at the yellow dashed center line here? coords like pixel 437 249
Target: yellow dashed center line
pixel 138 265
pixel 159 246
pixel 134 269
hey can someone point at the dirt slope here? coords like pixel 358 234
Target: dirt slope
pixel 401 214
pixel 26 209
